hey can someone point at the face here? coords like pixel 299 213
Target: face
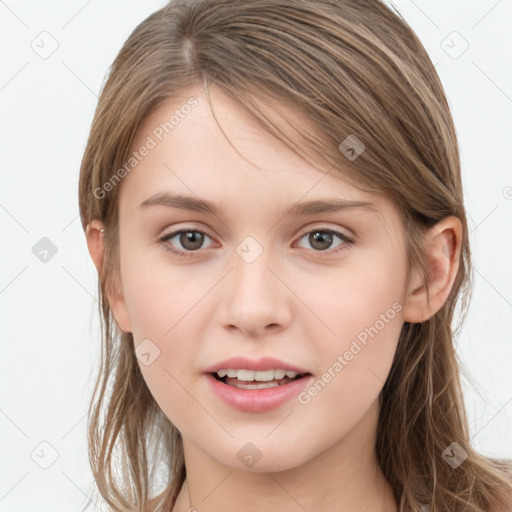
pixel 267 273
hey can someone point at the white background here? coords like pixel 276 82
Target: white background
pixel 49 324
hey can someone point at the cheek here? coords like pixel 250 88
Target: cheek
pixel 352 298
pixel 164 322
pixel 362 308
pixel 365 313
pixel 166 312
pixel 169 316
pixel 160 298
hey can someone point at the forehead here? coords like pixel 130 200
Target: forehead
pixel 189 155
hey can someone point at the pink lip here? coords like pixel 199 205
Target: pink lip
pixel 265 363
pixel 257 400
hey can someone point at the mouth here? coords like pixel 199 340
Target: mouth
pixel 275 381
pixel 257 392
pixel 256 386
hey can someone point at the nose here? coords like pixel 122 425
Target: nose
pixel 255 299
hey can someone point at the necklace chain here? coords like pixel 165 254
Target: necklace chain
pixel 189 501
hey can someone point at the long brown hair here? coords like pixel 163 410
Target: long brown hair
pixel 351 67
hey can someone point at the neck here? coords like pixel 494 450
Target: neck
pixel 345 476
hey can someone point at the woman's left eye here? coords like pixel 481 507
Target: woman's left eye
pixel 323 239
pixel 192 240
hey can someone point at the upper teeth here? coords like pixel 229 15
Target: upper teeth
pixel 249 375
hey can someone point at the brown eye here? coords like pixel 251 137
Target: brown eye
pixel 322 239
pixel 190 240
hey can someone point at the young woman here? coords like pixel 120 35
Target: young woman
pixel 271 194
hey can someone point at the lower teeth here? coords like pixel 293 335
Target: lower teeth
pixel 254 385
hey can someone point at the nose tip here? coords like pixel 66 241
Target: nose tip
pixel 253 298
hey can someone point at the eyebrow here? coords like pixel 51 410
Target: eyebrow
pixel 303 208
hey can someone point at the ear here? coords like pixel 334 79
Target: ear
pixel 442 245
pixel 116 301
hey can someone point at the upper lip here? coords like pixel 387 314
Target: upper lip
pixel 243 363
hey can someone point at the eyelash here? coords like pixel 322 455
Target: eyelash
pixel 347 242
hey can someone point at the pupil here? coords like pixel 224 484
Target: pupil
pixel 193 237
pixel 324 237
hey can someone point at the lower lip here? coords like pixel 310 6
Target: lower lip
pixel 257 400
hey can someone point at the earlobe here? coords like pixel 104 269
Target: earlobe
pixel 94 238
pixel 442 244
pixel 94 235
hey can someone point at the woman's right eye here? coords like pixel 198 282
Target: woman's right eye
pixel 190 239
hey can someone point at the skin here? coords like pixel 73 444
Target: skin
pixel 294 302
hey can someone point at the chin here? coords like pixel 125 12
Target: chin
pixel 259 457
